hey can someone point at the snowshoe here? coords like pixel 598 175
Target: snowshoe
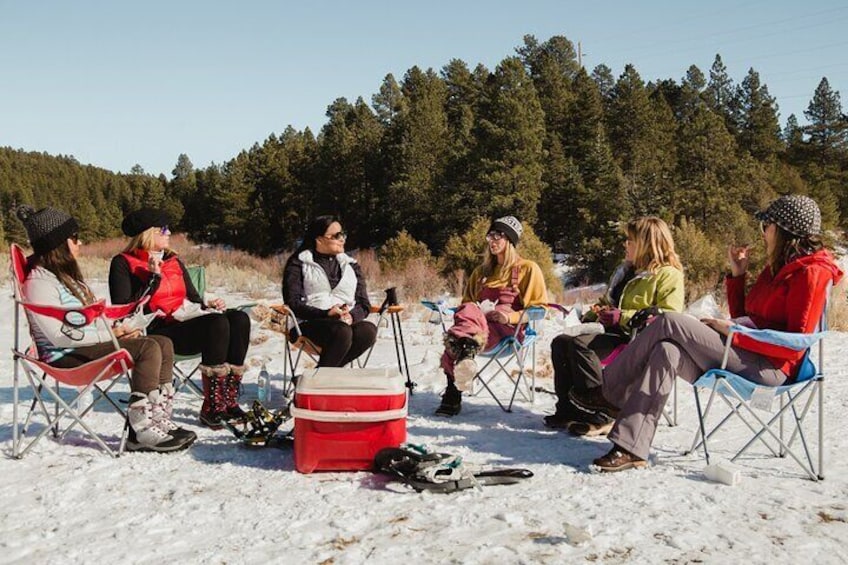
pixel 259 426
pixel 440 472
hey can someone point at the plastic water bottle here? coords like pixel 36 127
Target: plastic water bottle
pixel 264 385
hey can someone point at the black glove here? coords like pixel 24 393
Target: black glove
pixel 641 318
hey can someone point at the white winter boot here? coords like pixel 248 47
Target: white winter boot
pixel 146 434
pixel 163 409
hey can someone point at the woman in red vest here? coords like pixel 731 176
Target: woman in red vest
pixel 221 337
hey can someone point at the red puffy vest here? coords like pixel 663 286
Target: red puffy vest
pixel 171 292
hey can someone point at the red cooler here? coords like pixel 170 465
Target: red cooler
pixel 343 417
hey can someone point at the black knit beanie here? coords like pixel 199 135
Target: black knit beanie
pixel 136 222
pixel 48 228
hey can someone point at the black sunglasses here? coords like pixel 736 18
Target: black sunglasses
pixel 338 236
pixel 74 237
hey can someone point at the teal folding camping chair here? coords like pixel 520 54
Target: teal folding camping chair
pixel 746 399
pixel 191 363
pixel 516 350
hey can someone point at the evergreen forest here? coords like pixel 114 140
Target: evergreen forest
pixel 569 151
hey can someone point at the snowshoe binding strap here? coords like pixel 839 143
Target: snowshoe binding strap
pixel 259 425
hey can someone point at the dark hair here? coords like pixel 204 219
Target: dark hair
pixel 788 247
pixel 61 263
pixel 316 229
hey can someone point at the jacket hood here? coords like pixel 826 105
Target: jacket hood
pixel 820 259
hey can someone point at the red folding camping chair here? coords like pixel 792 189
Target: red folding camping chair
pixel 94 379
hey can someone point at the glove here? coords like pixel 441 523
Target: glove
pixel 643 317
pixel 610 317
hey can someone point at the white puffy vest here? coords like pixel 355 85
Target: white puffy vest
pixel 316 285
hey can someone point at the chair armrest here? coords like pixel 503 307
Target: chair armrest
pixel 69 315
pixel 118 311
pixel 791 340
pixel 395 309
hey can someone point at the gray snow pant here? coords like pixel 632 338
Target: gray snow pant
pixel 639 380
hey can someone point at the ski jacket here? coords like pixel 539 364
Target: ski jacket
pixel 313 283
pixel 663 289
pixel 130 277
pixel 791 300
pixel 531 286
pixel 53 338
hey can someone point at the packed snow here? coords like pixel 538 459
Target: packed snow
pixel 223 502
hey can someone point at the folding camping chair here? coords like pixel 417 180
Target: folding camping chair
pixel 745 398
pixel 297 344
pixel 183 376
pixel 96 377
pixel 513 349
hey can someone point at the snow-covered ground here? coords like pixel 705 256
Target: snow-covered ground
pixel 221 502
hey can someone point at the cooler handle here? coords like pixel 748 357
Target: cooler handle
pixel 324 416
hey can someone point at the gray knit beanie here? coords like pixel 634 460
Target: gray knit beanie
pixel 509 226
pixel 46 229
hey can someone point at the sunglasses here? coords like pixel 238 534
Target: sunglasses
pixel 764 224
pixel 338 236
pixel 494 236
pixel 164 230
pixel 75 238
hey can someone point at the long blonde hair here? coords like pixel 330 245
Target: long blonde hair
pixel 490 260
pixel 144 241
pixel 654 244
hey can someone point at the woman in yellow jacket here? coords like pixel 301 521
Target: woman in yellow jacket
pixel 511 284
pixel 655 285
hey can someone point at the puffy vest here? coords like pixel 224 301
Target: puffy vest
pixel 316 285
pixel 171 292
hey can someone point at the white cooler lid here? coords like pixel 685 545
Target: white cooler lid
pixel 344 380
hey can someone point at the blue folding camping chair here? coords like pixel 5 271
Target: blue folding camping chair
pixel 746 399
pixel 514 350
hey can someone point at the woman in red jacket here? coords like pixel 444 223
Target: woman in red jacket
pixel 220 336
pixel 789 295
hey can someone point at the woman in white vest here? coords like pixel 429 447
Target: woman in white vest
pixel 325 289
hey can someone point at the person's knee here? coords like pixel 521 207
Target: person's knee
pixel 561 343
pixel 239 322
pixel 367 332
pixel 149 351
pixel 340 334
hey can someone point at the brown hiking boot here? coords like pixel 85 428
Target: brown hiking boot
pixel 618 459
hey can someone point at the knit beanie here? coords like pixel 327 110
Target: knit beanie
pixel 145 218
pixel 48 228
pixel 799 215
pixel 509 226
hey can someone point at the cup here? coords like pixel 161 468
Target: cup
pixel 724 473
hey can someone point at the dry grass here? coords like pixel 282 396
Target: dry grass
pixel 228 269
pixel 837 316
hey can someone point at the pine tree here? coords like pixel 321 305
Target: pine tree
pixel 719 93
pixel 759 129
pixel 828 129
pixel 510 134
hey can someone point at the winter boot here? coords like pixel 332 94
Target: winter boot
pixel 214 409
pixel 451 402
pixel 232 393
pixel 163 409
pixel 463 350
pixel 145 433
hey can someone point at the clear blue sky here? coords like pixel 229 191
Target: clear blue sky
pixel 117 83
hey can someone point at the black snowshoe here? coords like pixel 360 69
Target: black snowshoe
pixel 259 426
pixel 439 472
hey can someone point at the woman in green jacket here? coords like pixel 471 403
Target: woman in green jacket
pixel 655 285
